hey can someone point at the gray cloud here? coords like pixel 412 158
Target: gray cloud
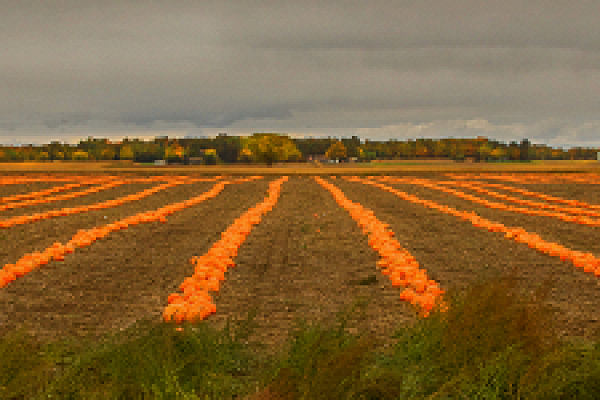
pixel 109 67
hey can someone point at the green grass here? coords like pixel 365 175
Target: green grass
pixel 493 343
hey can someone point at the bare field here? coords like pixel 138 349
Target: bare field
pixel 307 258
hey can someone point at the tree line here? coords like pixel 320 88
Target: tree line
pixel 269 148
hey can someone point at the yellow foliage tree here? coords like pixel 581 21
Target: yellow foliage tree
pixel 271 147
pixel 79 155
pixel 484 151
pixel 498 153
pixel 421 151
pixel 337 151
pixel 126 153
pixel 211 157
pixel 174 152
pixel 246 156
pixel 439 149
pixel 108 154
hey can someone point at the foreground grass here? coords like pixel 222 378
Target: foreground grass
pixel 493 343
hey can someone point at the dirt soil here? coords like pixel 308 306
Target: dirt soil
pixel 126 275
pixel 293 264
pixel 456 253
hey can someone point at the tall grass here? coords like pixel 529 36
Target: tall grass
pixel 495 342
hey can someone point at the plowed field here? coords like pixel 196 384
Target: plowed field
pixel 306 258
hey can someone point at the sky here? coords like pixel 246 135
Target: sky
pixel 381 70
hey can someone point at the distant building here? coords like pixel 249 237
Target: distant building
pixel 160 162
pixel 195 160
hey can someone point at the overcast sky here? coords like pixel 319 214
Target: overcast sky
pixel 377 69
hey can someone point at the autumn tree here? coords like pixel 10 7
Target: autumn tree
pixel 498 153
pixel 336 151
pixel 456 151
pixel 93 147
pixel 470 149
pixel 108 153
pixel 365 154
pixel 42 156
pixel 149 153
pixel 174 153
pixel 79 155
pixel 210 157
pixel 55 149
pixel 421 150
pixel 558 154
pixel 126 153
pixel 484 151
pixel 228 147
pixel 245 156
pixel 514 153
pixel 439 149
pixel 525 150
pixel 352 146
pixel 271 147
pixel 405 150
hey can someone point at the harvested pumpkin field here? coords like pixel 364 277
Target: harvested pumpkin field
pixel 91 254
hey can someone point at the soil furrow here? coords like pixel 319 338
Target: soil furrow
pixel 456 253
pixel 127 275
pixel 298 265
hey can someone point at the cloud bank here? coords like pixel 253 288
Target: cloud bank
pixel 380 69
